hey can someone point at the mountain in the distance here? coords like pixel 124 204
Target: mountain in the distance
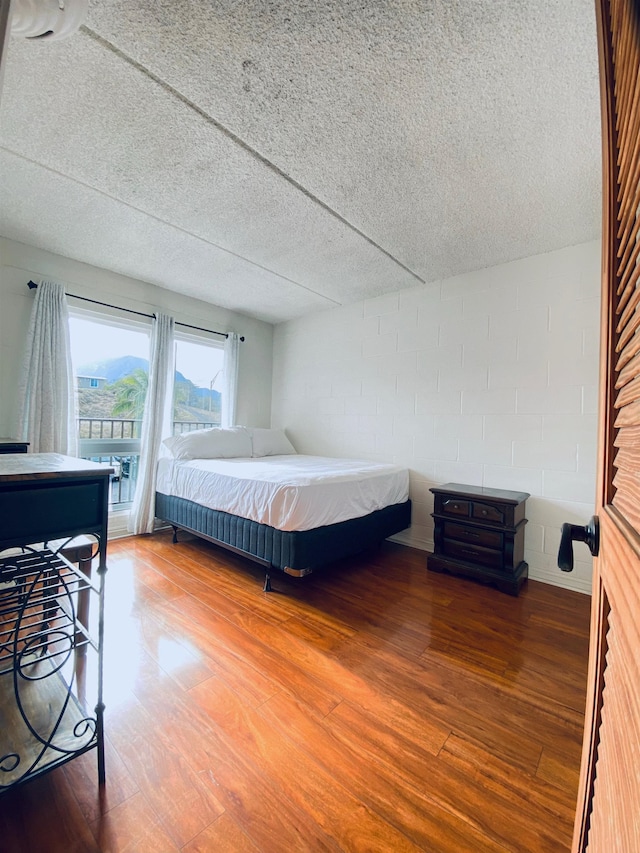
pixel 113 369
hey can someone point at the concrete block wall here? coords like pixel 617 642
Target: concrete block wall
pixel 488 378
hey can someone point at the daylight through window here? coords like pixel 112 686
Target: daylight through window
pixel 197 387
pixel 111 364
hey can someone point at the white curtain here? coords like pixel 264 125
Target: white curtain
pixel 155 422
pixel 47 394
pixel 230 383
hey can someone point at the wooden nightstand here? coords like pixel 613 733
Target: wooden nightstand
pixel 479 533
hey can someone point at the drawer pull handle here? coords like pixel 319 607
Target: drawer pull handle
pixel 469 551
pixel 484 512
pixel 471 534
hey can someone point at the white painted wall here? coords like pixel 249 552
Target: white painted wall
pixel 488 378
pixel 19 263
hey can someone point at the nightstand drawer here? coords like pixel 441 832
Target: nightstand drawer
pixel 486 512
pixel 473 535
pixel 453 506
pixel 472 554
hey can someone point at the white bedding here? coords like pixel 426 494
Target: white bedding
pixel 293 492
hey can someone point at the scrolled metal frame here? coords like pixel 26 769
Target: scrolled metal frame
pixel 42 638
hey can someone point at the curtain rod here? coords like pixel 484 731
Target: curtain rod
pixel 34 286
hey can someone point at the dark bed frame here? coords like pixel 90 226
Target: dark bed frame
pixel 296 552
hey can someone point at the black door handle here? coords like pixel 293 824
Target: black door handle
pixel 590 534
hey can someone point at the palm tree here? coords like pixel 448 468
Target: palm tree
pixel 131 392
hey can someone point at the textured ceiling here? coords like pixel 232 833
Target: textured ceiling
pixel 277 157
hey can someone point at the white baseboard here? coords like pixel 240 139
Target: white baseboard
pixel 404 538
pixel 561 579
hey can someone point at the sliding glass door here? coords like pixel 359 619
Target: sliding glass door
pixel 111 365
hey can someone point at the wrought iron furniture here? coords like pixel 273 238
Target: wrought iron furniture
pixel 53 511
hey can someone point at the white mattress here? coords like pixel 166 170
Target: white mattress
pixel 294 492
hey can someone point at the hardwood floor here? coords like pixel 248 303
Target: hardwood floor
pixel 370 707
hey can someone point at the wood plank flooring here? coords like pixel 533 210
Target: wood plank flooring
pixel 371 707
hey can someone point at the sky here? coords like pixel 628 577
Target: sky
pixel 91 341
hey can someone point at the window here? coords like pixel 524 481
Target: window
pixel 198 382
pixel 111 364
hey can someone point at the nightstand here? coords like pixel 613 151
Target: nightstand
pixel 479 533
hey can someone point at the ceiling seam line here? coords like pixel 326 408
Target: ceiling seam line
pixel 244 145
pixel 170 225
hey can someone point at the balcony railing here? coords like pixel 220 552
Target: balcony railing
pixel 116 441
pixel 189 426
pixel 128 428
pixel 108 428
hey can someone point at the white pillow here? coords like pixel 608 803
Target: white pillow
pixel 213 443
pixel 271 442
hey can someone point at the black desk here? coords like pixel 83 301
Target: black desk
pixel 12 445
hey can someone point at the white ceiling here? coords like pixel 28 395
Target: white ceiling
pixel 277 157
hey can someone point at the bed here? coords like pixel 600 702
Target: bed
pixel 250 492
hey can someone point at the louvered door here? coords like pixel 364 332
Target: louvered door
pixel 608 815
